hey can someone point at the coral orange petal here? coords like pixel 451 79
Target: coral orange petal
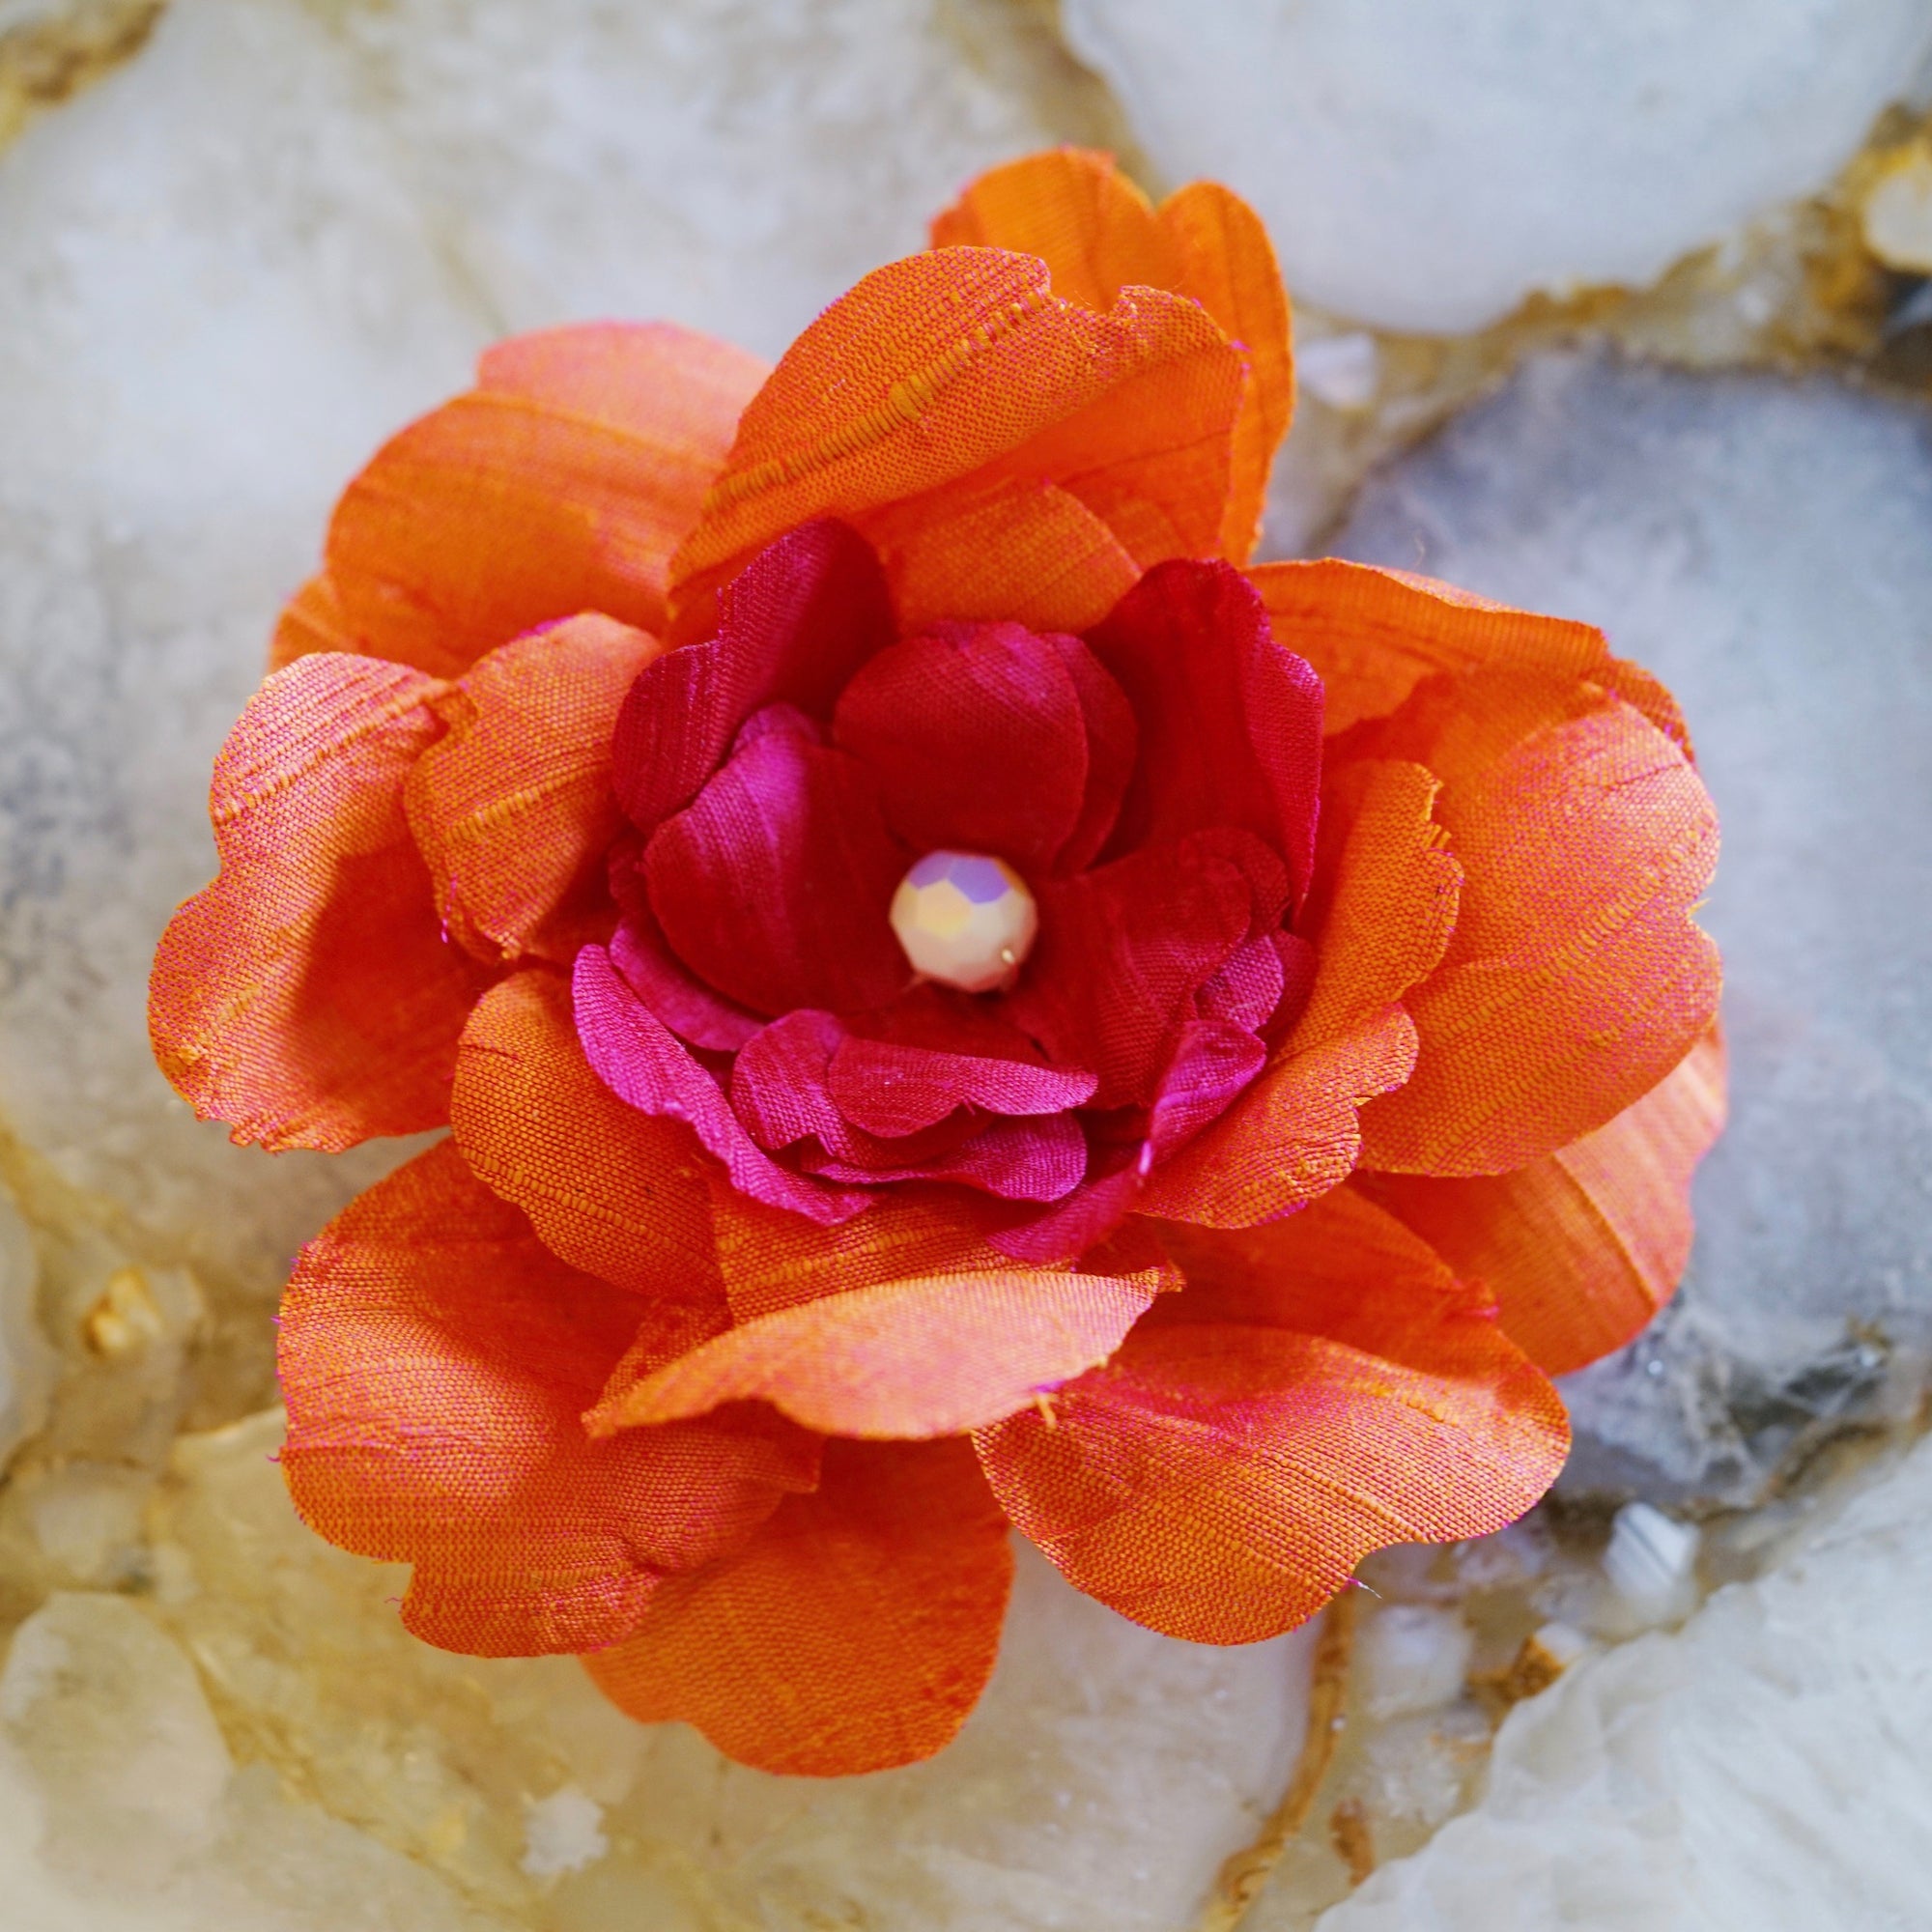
pixel 853 1633
pixel 1220 1480
pixel 1079 214
pixel 1576 977
pixel 617 1193
pixel 435 1358
pixel 1096 231
pixel 1383 910
pixel 1374 634
pixel 561 484
pixel 514 809
pixel 1582 1247
pixel 1060 567
pixel 773 1259
pixel 953 370
pixel 308 997
pixel 1228 266
pixel 934 1355
pixel 311 620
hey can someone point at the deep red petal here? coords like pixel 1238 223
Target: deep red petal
pixel 773 885
pixel 1123 950
pixel 804 616
pixel 977 738
pixel 1230 722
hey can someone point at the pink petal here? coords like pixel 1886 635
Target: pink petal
pixel 688 1007
pixel 773 885
pixel 635 1056
pixel 1210 1065
pixel 886 1089
pixel 1041 1159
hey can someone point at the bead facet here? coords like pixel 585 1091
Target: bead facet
pixel 965 920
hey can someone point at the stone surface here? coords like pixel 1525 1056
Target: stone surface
pixel 26 1362
pixel 1426 167
pixel 1762 1771
pixel 1762 545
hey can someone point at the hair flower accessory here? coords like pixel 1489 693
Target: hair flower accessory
pixel 960 1004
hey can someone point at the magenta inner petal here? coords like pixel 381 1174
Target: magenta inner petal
pixel 779 1092
pixel 690 1009
pixel 1230 722
pixel 1297 976
pixel 1210 1065
pixel 773 885
pixel 638 1058
pixel 801 617
pixel 1248 988
pixel 1123 950
pixel 1041 1159
pixel 1212 1062
pixel 890 1089
pixel 977 738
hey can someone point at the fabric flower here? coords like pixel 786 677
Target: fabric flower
pixel 1351 1087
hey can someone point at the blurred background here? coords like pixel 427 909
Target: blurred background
pixel 1620 310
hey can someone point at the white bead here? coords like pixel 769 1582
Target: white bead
pixel 965 920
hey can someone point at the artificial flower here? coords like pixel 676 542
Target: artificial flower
pixel 1329 1056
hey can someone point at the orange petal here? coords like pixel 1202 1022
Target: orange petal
pixel 435 1359
pixel 1079 214
pixel 312 620
pixel 562 483
pixel 617 1193
pixel 307 997
pixel 853 1633
pixel 1228 266
pixel 514 809
pixel 935 1355
pixel 1219 1479
pixel 1060 567
pixel 1577 978
pixel 1374 634
pixel 773 1259
pixel 1098 234
pixel 1582 1247
pixel 956 370
pixel 1382 911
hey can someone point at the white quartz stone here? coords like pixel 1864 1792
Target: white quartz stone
pixel 1765 1769
pixel 1761 544
pixel 1425 167
pixel 1650 1562
pixel 1411 1658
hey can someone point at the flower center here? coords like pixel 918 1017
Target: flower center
pixel 965 920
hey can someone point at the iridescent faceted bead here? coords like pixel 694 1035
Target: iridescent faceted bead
pixel 965 920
